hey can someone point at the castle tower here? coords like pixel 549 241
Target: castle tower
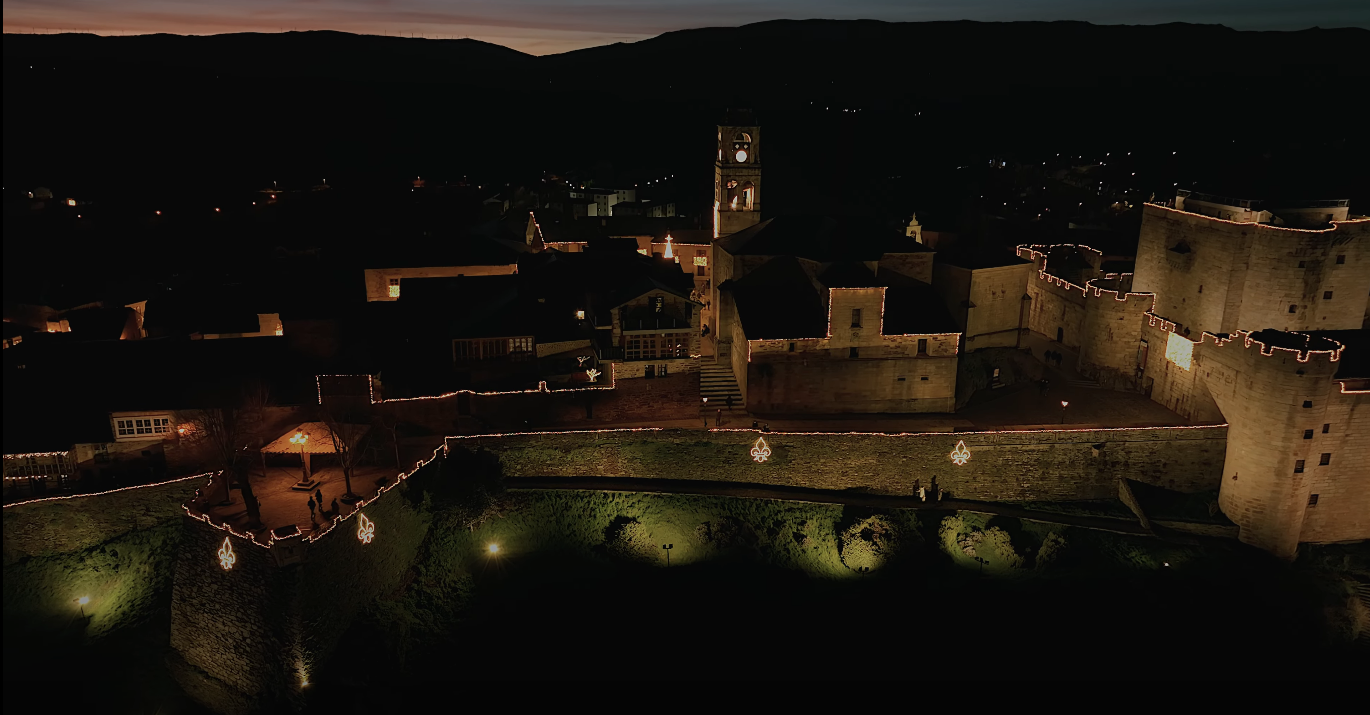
pixel 1294 469
pixel 737 179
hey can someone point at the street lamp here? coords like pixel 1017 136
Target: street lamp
pixel 492 549
pixel 300 438
pixel 81 604
pixel 1064 405
pixel 667 548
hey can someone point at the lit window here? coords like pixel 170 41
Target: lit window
pixel 701 260
pixel 1179 350
pixel 643 251
pixel 580 315
pixel 135 427
pixel 394 287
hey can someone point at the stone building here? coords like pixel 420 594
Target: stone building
pixel 820 315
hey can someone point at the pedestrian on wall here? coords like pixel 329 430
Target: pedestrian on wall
pixel 729 403
pixel 718 418
pixel 318 497
pixel 336 510
pixel 1042 387
pixel 766 427
pixel 922 494
pixel 312 507
pixel 755 425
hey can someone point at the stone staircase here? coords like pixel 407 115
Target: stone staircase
pixel 1084 384
pixel 716 382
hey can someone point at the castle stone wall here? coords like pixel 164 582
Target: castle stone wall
pixel 1230 276
pixel 1265 489
pixel 1342 512
pixel 1036 465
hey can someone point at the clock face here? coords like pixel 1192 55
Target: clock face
pixel 741 156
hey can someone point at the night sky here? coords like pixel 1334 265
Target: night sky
pixel 550 26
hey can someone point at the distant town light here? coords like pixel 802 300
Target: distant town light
pixel 492 548
pixel 83 600
pixel 71 202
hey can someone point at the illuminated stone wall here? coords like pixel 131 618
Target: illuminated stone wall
pixel 1042 465
pixel 1264 488
pixel 1110 336
pixel 249 638
pixel 1232 276
pixel 232 632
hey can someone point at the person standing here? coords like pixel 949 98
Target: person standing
pixel 718 418
pixel 318 498
pixel 729 403
pixel 922 494
pixel 336 510
pixel 312 507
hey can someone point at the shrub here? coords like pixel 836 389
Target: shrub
pixel 1052 547
pixel 868 543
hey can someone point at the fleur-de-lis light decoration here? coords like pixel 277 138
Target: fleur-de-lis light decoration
pixel 592 374
pixel 581 360
pixel 960 455
pixel 761 451
pixel 366 531
pixel 226 555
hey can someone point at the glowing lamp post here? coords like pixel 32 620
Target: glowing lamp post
pixel 492 549
pixel 1064 405
pixel 667 548
pixel 300 438
pixel 81 604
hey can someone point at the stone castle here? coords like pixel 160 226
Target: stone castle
pixel 1247 323
pixel 1236 313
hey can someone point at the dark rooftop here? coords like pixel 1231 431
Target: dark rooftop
pixel 820 238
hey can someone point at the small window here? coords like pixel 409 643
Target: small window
pixel 853 352
pixel 1312 500
pixel 1303 264
pixel 1341 259
pixel 394 291
pixel 791 349
pixel 1324 459
pixel 1298 466
pixel 924 378
pixel 1308 434
pixel 1327 295
pixel 1326 427
pixel 922 346
pixel 1201 287
pixel 1307 403
pixel 856 317
pixel 1293 308
pixel 580 315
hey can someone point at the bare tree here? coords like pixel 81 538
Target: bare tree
pixel 348 433
pixel 230 433
pixel 391 425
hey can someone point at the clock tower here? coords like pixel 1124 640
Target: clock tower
pixel 737 179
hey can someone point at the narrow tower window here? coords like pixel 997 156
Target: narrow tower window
pixel 1308 434
pixel 1324 459
pixel 856 317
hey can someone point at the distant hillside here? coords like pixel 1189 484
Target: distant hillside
pixel 167 113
